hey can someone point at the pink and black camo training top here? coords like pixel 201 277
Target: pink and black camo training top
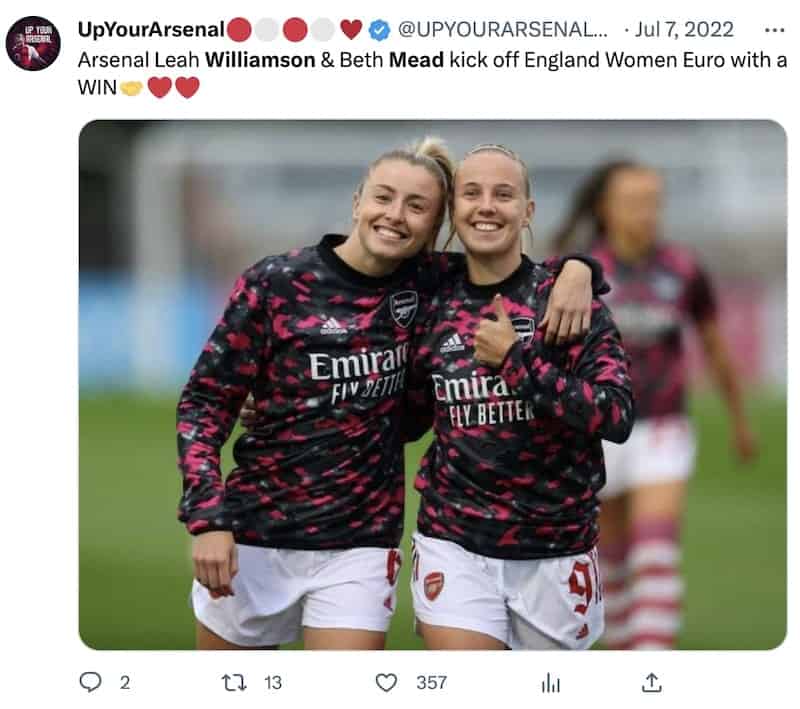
pixel 324 350
pixel 516 461
pixel 651 303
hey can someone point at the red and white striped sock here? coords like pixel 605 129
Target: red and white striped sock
pixel 656 586
pixel 616 594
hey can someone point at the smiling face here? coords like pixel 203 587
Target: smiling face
pixel 396 213
pixel 491 206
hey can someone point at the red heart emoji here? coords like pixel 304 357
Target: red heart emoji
pixel 187 86
pixel 159 86
pixel 351 27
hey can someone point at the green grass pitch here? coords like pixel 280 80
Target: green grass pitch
pixel 135 570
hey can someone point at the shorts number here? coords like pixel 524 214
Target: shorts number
pixel 584 581
pixel 393 562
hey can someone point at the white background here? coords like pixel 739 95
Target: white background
pixel 42 116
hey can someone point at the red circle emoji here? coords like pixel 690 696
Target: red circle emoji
pixel 239 29
pixel 295 29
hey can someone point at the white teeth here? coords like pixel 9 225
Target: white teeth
pixel 385 231
pixel 485 226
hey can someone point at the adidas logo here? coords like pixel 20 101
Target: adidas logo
pixel 452 344
pixel 332 327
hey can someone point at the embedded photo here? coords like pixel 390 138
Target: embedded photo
pixel 436 385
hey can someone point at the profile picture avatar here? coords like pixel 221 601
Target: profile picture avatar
pixel 33 43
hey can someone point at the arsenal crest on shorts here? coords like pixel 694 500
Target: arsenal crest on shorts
pixel 525 327
pixel 434 583
pixel 403 306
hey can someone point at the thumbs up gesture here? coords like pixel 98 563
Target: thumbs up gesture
pixel 494 338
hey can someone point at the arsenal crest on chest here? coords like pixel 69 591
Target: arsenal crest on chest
pixel 525 327
pixel 403 306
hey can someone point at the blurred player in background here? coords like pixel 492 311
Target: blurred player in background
pixel 504 555
pixel 302 536
pixel 657 289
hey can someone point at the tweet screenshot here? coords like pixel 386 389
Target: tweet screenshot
pixel 365 354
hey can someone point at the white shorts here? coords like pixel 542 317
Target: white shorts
pixel 278 591
pixel 658 450
pixel 529 604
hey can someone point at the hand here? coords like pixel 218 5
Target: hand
pixel 494 338
pixel 249 415
pixel 745 443
pixel 569 308
pixel 216 562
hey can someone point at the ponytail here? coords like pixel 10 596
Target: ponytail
pixel 431 153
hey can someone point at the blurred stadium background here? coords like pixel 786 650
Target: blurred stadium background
pixel 172 212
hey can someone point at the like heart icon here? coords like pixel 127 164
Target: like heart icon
pixel 351 27
pixel 386 681
pixel 187 85
pixel 159 86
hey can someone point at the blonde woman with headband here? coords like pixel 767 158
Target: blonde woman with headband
pixel 302 537
pixel 504 553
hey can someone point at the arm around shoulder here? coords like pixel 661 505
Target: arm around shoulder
pixel 592 394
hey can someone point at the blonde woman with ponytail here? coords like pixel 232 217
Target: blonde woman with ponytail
pixel 301 539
